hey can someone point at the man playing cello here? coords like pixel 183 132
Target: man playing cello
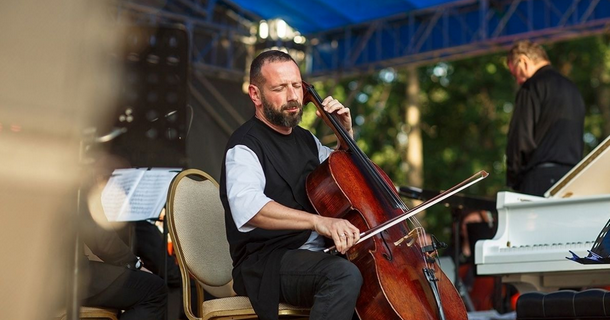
pixel 276 239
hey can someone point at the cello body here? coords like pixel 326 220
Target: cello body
pixel 393 283
pixel 401 280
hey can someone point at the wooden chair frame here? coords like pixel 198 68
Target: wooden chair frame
pixel 227 305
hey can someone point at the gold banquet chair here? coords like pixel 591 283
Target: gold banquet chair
pixel 195 216
pixel 92 313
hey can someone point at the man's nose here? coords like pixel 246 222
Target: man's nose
pixel 292 93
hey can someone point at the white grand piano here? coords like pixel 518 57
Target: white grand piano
pixel 535 234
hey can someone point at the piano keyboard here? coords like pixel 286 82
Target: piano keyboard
pixel 540 252
pixel 534 237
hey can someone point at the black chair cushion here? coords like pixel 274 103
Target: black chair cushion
pixel 564 304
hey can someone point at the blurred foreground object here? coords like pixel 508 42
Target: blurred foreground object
pixel 53 83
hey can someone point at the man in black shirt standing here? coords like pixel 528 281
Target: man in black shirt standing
pixel 545 137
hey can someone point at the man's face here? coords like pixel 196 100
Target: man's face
pixel 284 116
pixel 518 71
pixel 281 95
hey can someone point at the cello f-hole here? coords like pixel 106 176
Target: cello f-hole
pixel 388 256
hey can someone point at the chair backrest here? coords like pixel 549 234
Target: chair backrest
pixel 195 217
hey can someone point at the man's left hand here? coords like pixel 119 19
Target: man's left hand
pixel 332 105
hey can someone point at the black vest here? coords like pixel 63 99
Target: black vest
pixel 286 161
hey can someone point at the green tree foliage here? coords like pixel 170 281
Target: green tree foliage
pixel 466 107
pixel 587 62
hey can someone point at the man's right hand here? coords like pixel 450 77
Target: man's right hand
pixel 343 233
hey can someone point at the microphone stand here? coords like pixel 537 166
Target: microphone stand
pixel 459 284
pixel 73 295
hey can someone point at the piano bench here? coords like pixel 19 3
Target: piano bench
pixel 564 304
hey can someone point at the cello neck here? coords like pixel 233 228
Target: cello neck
pixel 348 144
pixel 345 140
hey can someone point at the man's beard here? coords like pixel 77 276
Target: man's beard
pixel 278 118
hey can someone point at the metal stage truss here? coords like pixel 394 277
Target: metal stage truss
pixel 223 35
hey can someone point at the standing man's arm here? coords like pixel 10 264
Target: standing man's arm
pixel 521 141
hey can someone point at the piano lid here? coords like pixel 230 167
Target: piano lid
pixel 588 177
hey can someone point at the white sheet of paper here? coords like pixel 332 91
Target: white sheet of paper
pixel 137 194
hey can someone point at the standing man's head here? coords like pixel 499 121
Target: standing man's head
pixel 276 89
pixel 524 59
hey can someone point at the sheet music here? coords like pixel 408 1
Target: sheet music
pixel 136 194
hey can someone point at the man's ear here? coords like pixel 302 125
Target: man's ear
pixel 254 94
pixel 526 61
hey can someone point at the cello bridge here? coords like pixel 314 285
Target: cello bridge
pixel 410 238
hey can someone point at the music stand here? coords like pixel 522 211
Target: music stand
pixel 456 215
pixel 88 141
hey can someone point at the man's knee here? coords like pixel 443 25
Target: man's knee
pixel 349 277
pixel 355 278
pixel 158 291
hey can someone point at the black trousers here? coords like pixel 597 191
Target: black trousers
pixel 540 179
pixel 141 294
pixel 148 244
pixel 327 284
pixel 151 248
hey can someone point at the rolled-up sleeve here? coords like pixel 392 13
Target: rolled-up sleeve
pixel 323 151
pixel 245 182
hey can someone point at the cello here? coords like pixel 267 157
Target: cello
pixel 401 279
